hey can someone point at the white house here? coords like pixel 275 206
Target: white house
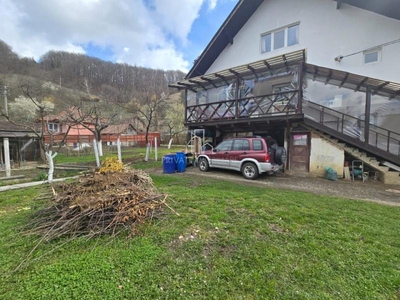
pixel 300 69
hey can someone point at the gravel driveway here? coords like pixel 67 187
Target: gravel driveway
pixel 369 190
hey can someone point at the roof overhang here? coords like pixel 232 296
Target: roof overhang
pixel 388 8
pixel 336 77
pixel 10 134
pixel 354 81
pixel 276 62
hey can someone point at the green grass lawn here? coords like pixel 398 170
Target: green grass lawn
pixel 127 153
pixel 230 241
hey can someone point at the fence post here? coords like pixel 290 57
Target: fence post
pixel 155 148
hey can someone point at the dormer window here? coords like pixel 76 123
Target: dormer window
pixel 372 56
pixel 53 127
pixel 280 38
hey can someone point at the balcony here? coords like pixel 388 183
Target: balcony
pixel 273 105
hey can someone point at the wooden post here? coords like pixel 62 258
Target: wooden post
pixel 155 148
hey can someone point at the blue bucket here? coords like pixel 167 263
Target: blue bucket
pixel 180 162
pixel 169 164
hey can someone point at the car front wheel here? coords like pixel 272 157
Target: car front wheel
pixel 250 171
pixel 203 164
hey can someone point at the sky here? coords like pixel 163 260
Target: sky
pixel 160 34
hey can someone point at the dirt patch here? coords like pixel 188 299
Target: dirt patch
pixel 373 191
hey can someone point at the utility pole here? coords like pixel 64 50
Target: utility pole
pixel 6 143
pixel 5 99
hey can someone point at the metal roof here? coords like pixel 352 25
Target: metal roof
pixel 354 81
pixel 341 78
pixel 246 8
pixel 284 60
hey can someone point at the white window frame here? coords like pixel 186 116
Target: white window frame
pixel 272 33
pixel 50 127
pixel 376 50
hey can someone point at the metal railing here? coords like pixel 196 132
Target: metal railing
pixel 378 137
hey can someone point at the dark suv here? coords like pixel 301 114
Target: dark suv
pixel 249 155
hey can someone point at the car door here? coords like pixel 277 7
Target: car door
pixel 240 150
pixel 220 156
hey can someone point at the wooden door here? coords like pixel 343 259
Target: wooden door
pixel 300 151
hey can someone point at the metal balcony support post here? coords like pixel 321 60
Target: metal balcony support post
pixel 237 113
pixel 367 114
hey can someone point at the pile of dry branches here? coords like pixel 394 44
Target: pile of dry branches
pixel 99 203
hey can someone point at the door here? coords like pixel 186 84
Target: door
pixel 300 151
pixel 220 155
pixel 240 150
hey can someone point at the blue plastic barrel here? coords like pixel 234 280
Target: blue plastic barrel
pixel 180 162
pixel 169 164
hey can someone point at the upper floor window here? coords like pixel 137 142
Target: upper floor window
pixel 52 127
pixel 372 56
pixel 281 38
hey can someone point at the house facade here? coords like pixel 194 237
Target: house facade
pixel 129 131
pixel 320 76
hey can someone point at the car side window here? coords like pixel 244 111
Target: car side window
pixel 241 145
pixel 224 146
pixel 257 145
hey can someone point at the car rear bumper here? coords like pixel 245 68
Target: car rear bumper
pixel 266 167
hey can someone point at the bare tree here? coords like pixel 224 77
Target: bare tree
pixel 146 109
pixel 174 118
pixel 95 114
pixel 29 109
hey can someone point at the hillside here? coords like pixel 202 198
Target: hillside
pixel 121 82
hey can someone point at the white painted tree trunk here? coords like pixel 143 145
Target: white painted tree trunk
pixel 119 150
pixel 100 147
pixel 147 152
pixel 96 153
pixel 50 158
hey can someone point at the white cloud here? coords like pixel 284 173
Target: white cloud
pixel 177 16
pixel 136 33
pixel 212 4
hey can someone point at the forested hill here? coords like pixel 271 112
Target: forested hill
pixel 74 71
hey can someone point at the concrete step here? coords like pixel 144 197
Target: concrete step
pixel 390 178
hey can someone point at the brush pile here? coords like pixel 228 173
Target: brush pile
pixel 104 202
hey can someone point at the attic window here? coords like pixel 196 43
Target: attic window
pixel 372 56
pixel 53 127
pixel 280 38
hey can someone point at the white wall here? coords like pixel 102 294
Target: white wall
pixel 326 32
pixel 324 154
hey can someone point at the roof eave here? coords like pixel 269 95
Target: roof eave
pixel 225 34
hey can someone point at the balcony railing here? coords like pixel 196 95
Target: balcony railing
pixel 282 103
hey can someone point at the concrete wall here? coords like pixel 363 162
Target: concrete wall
pixel 324 154
pixel 326 32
